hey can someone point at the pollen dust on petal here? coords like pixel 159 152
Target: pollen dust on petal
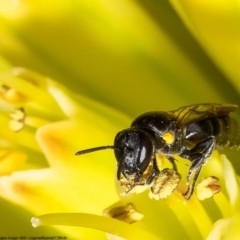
pixel 53 140
pixel 13 190
pixel 24 186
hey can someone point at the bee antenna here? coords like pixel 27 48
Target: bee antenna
pixel 95 149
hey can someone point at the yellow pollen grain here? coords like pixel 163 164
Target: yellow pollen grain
pixel 168 137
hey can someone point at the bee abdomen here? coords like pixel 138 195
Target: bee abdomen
pixel 227 132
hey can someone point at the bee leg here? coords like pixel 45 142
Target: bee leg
pixel 154 173
pixel 197 155
pixel 190 186
pixel 172 161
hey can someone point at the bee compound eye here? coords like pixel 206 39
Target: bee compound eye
pixel 146 150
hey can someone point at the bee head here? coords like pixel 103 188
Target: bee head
pixel 133 149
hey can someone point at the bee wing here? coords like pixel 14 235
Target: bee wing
pixel 198 112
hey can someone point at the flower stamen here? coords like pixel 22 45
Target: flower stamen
pixel 127 213
pixel 11 95
pixel 207 188
pixel 17 119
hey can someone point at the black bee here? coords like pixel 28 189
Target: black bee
pixel 191 132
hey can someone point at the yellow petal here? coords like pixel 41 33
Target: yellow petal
pixel 11 161
pixel 226 229
pixel 232 183
pixel 215 25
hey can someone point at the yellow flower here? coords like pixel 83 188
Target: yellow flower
pixel 127 58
